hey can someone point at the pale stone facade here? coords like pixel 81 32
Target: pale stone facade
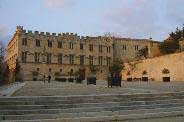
pixel 67 52
pixel 127 49
pixel 153 68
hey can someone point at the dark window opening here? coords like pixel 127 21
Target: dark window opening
pixel 81 46
pixel 136 47
pixel 100 60
pixel 81 59
pixel 101 48
pixel 49 55
pixel 71 58
pixel 37 43
pixel 71 45
pixel 71 70
pixel 24 57
pixel 108 61
pixel 24 41
pixel 90 60
pixel 60 45
pixel 49 43
pixel 37 57
pixel 60 56
pixel 90 47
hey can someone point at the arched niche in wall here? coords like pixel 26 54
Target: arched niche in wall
pixel 166 75
pixel 144 76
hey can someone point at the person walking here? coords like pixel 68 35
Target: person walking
pixel 49 78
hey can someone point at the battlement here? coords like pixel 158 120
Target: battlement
pixel 20 29
pixel 29 32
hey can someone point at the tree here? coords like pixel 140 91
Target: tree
pixel 17 73
pixel 3 64
pixel 116 67
pixel 171 45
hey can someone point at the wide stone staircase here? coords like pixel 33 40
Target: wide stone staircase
pixel 91 108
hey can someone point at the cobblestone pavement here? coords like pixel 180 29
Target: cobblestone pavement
pixel 39 88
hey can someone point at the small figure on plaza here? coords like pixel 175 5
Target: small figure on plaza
pixel 49 78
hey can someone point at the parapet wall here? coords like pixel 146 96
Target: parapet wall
pixel 21 30
pixel 155 66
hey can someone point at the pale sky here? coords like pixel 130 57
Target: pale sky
pixel 128 18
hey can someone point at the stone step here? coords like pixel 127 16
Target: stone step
pixel 79 105
pixel 121 118
pixel 83 100
pixel 96 116
pixel 92 97
pixel 88 109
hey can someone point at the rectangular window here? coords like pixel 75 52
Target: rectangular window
pixel 100 48
pixel 108 49
pixel 37 43
pixel 100 60
pixel 136 47
pixel 81 46
pixel 60 58
pixel 60 45
pixel 124 47
pixel 24 57
pixel 90 60
pixel 24 41
pixel 37 57
pixel 49 43
pixel 49 55
pixel 81 59
pixel 108 61
pixel 90 47
pixel 71 58
pixel 71 45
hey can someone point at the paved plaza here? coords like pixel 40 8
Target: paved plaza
pixel 39 88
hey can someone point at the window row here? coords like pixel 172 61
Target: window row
pixel 124 47
pixel 61 70
pixel 71 57
pixel 71 45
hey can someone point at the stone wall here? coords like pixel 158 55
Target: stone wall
pixel 154 67
pixel 105 49
pixel 127 48
pixel 28 68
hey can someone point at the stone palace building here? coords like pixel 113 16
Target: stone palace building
pixel 67 53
